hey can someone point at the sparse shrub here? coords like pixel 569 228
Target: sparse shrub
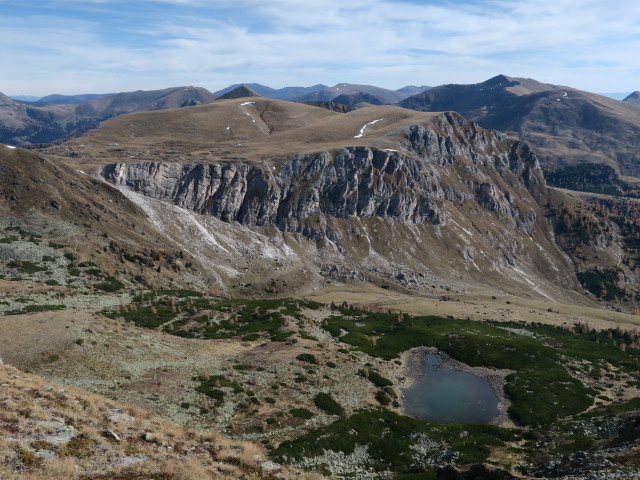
pixel 325 401
pixel 301 413
pixel 375 378
pixel 307 357
pixel 382 398
pixel 109 284
pixel 28 459
pixel 242 367
pixel 79 447
pixel 216 394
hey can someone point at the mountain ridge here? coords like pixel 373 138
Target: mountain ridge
pixel 633 98
pixel 22 123
pixel 329 93
pixel 564 125
pixel 57 99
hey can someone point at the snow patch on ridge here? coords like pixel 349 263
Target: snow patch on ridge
pixel 361 134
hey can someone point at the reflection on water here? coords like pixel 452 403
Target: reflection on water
pixel 445 395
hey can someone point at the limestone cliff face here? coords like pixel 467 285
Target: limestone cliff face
pixel 438 163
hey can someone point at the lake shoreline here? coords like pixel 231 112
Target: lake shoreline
pixel 413 366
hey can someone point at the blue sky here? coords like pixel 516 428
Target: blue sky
pixel 99 46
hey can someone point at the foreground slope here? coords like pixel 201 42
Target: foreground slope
pixel 55 433
pixel 564 125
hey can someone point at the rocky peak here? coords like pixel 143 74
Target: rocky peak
pixel 241 92
pixel 499 81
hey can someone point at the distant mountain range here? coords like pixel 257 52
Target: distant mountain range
pixel 286 93
pixel 565 125
pixel 22 123
pixel 72 99
pixel 330 93
pixel 322 93
pixel 25 98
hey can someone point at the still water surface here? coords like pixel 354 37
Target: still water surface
pixel 446 395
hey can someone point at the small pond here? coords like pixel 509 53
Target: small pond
pixel 446 395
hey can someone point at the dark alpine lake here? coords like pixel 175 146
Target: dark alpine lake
pixel 447 395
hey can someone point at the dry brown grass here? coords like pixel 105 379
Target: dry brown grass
pixel 34 415
pixel 265 130
pixel 478 304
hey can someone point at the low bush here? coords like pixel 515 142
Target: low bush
pixel 301 413
pixel 325 401
pixel 307 357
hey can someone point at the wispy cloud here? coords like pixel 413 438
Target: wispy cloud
pixel 106 45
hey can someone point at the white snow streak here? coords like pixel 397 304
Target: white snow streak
pixel 203 231
pixel 534 287
pixel 10 146
pixel 468 232
pixel 361 134
pixel 246 103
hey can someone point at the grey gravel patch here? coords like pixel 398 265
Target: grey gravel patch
pixel 81 303
pixel 129 460
pixel 119 417
pixel 50 425
pixel 61 436
pixel 340 464
pixel 270 467
pixel 46 455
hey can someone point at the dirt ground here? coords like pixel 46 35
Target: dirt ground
pixel 29 340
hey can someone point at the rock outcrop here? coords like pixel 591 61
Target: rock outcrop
pixel 446 160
